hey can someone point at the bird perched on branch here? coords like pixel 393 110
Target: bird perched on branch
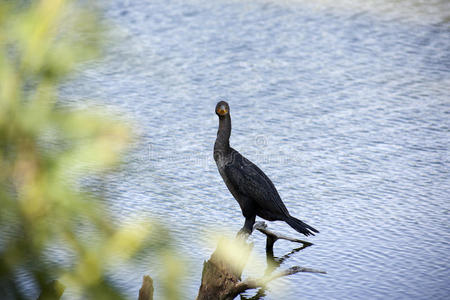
pixel 252 189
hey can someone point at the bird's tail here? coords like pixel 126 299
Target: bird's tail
pixel 301 226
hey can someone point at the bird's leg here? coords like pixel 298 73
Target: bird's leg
pixel 248 225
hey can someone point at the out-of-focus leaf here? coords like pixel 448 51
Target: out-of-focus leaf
pixel 45 152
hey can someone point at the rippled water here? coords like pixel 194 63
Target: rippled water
pixel 345 107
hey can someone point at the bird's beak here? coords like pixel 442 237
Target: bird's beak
pixel 222 111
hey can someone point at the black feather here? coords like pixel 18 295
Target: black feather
pixel 253 190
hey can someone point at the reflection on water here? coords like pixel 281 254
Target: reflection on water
pixel 345 107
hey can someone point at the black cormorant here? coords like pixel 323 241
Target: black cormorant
pixel 253 190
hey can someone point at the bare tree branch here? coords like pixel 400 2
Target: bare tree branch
pixel 272 236
pixel 262 282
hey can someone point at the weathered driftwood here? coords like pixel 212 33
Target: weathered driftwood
pixel 221 280
pixel 262 282
pixel 219 276
pixel 272 237
pixel 146 291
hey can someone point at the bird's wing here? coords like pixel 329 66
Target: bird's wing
pixel 251 182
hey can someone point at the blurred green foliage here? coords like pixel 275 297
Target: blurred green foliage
pixel 43 149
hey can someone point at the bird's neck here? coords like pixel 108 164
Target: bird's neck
pixel 223 134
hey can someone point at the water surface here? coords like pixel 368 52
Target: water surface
pixel 345 107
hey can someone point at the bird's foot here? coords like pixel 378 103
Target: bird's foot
pixel 244 233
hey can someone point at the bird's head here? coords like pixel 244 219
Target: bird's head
pixel 222 109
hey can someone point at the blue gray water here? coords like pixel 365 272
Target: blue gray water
pixel 346 109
